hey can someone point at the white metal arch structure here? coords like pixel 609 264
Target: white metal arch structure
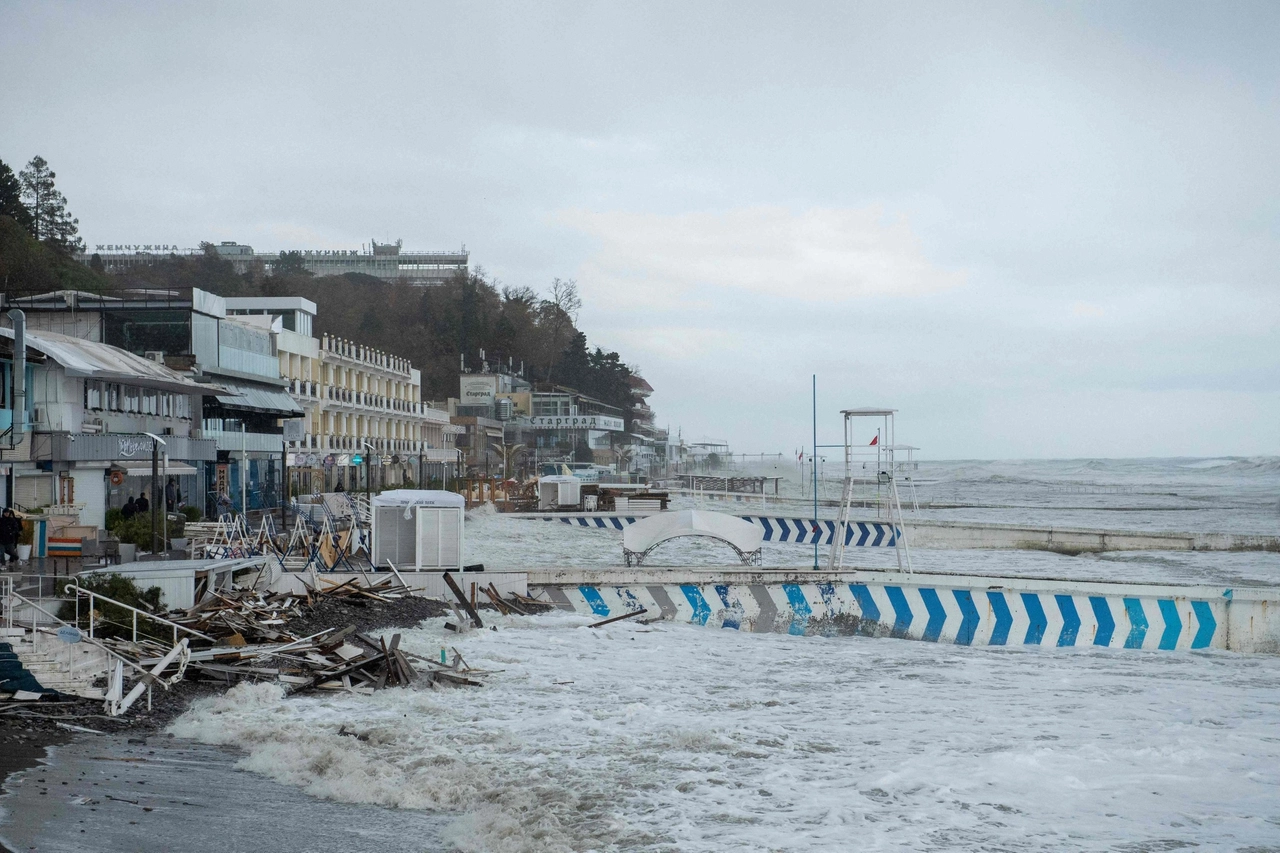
pixel 639 539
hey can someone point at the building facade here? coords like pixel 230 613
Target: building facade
pixel 387 261
pixel 513 423
pixel 364 417
pixel 190 332
pixel 93 416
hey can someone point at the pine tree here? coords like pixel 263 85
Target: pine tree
pixel 11 199
pixel 53 224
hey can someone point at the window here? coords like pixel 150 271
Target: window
pixel 145 330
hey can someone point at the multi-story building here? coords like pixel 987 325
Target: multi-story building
pixel 363 407
pixel 92 414
pixel 189 331
pixel 387 261
pixel 547 423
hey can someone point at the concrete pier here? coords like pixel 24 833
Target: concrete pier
pixel 959 535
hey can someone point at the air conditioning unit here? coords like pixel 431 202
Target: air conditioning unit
pixel 155 355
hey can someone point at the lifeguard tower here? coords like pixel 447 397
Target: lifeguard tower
pixel 870 480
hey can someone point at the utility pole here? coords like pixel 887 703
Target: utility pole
pixel 813 464
pixel 156 497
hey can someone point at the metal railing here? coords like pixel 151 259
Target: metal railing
pixel 79 592
pixel 10 597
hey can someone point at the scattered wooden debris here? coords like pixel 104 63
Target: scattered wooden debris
pixel 252 642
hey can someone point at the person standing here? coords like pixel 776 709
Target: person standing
pixel 142 505
pixel 130 508
pixel 10 533
pixel 172 496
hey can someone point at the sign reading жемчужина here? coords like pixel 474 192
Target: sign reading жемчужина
pixel 598 422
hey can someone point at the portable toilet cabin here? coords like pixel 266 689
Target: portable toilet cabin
pixel 560 490
pixel 417 529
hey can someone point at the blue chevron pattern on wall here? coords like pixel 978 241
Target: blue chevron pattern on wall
pixel 966 617
pixel 797 531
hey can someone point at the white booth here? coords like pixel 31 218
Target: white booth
pixel 559 490
pixel 417 529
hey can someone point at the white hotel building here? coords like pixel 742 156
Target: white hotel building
pixel 360 402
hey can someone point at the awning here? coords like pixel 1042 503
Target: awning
pixel 250 398
pixel 137 468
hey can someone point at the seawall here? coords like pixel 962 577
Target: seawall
pixel 958 609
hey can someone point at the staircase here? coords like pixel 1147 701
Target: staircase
pixel 66 667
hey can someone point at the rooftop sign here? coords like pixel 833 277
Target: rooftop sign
pixel 603 422
pixel 135 247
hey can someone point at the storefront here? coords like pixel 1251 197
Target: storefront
pixel 94 473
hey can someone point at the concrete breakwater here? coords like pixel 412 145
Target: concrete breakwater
pixel 957 535
pixel 1076 540
pixel 942 608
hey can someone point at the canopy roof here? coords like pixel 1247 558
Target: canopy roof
pixel 868 412
pixel 95 360
pixel 418 497
pixel 647 533
pixel 256 399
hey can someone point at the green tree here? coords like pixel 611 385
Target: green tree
pixel 291 263
pixel 11 199
pixel 52 223
pixel 28 267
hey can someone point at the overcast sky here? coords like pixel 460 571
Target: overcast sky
pixel 1036 230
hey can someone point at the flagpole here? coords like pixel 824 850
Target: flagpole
pixel 813 463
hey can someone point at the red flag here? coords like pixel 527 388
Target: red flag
pixel 874 441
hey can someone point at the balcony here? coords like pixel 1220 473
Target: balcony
pixel 363 400
pixel 348 351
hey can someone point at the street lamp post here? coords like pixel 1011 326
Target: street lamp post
pixel 366 471
pixel 156 442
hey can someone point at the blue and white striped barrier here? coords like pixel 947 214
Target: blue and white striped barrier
pixel 803 531
pixel 797 531
pixel 939 608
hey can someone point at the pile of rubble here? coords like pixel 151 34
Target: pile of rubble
pixel 252 635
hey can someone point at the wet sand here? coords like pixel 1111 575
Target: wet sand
pixel 114 794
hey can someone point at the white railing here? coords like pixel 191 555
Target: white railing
pixel 11 597
pixel 79 592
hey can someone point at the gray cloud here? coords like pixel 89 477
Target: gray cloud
pixel 1083 197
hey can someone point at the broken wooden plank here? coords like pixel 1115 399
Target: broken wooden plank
pixel 618 618
pixel 462 599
